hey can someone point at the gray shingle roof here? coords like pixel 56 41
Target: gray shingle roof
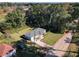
pixel 35 32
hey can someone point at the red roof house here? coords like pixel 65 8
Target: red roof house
pixel 5 49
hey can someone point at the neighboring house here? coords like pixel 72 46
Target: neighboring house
pixel 36 34
pixel 7 50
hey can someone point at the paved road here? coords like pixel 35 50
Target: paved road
pixel 59 47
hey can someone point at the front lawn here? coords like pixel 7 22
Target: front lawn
pixel 51 38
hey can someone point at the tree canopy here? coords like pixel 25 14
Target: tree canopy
pixel 51 16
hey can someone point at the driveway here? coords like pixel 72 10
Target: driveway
pixel 62 45
pixel 59 48
pixel 42 44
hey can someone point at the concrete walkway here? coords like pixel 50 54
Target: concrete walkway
pixel 59 47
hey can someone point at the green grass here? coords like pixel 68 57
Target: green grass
pixel 51 38
pixel 15 35
pixel 6 41
pixel 20 31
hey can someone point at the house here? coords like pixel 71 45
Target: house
pixel 6 50
pixel 37 33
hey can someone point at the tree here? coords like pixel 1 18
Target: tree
pixel 50 16
pixel 74 11
pixel 15 19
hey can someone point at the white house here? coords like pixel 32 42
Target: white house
pixel 36 34
pixel 7 50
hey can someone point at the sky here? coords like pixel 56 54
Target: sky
pixel 39 1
